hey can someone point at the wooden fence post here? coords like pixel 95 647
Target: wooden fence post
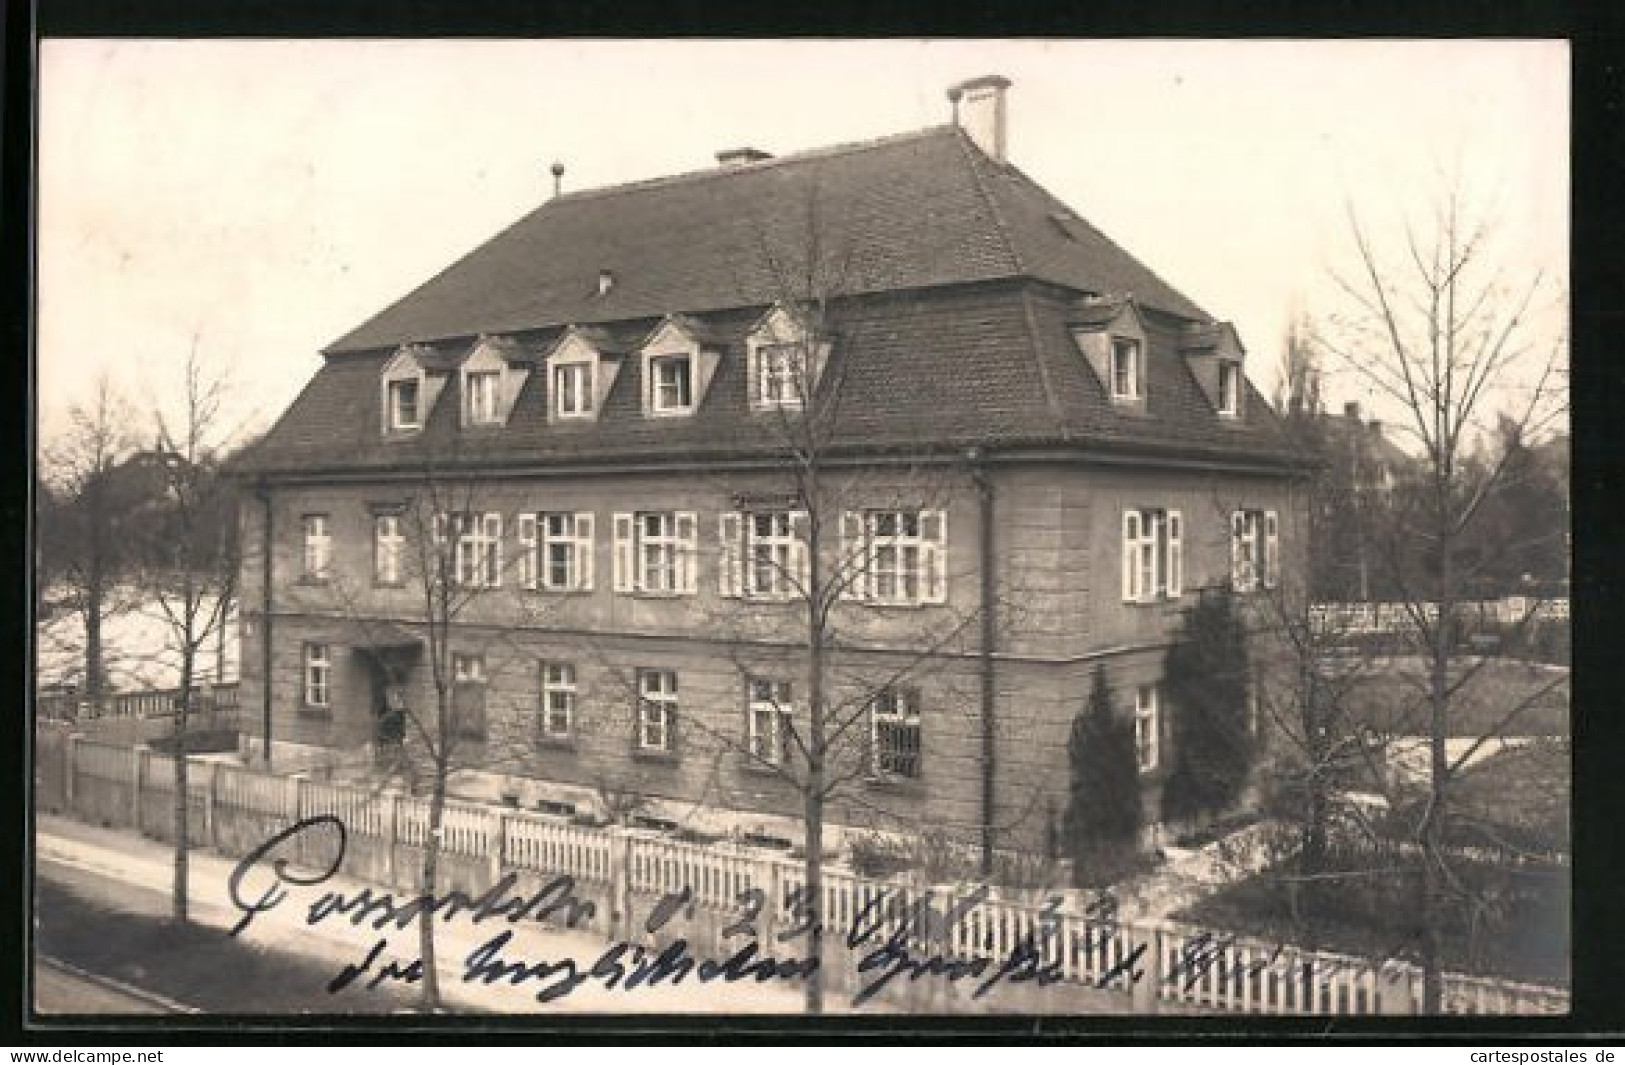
pixel 773 917
pixel 137 773
pixel 392 833
pixel 620 882
pixel 70 747
pixel 1147 990
pixel 499 843
pixel 209 798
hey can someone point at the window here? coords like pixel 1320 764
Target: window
pixel 1153 555
pixel 318 547
pixel 318 676
pixel 572 390
pixel 477 551
pixel 780 375
pixel 480 406
pixel 387 544
pixel 556 551
pixel 763 554
pixel 769 720
pixel 654 552
pixel 657 710
pixel 1125 368
pixel 468 695
pixel 403 404
pixel 671 384
pixel 1146 724
pixel 896 716
pixel 1255 556
pixel 558 699
pixel 1229 389
pixel 902 559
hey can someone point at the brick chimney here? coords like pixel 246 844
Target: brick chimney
pixel 979 111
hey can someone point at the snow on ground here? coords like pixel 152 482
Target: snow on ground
pixel 141 649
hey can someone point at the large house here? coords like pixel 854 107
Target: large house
pixel 1032 454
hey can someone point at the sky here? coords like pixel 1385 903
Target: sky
pixel 258 199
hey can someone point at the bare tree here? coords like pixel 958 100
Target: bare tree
pixel 823 528
pixel 190 563
pixel 83 541
pixel 1443 332
pixel 443 548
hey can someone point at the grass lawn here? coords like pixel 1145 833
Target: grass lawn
pixel 194 965
pixel 1529 943
pixel 1391 699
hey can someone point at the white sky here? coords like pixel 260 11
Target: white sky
pixel 266 197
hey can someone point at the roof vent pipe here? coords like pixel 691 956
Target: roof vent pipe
pixel 742 156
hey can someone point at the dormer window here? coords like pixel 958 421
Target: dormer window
pixel 1229 389
pixel 572 390
pixel 779 372
pixel 581 369
pixel 679 360
pixel 1125 369
pixel 1110 335
pixel 403 405
pixel 783 362
pixel 671 385
pixel 480 398
pixel 493 375
pixel 410 383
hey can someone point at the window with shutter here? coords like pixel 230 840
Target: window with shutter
pixel 853 571
pixel 687 552
pixel 1272 549
pixel 527 550
pixel 625 562
pixel 800 541
pixel 905 556
pixel 1153 555
pixel 729 540
pixel 492 569
pixel 1131 559
pixel 584 550
pixel 1176 555
pixel 1254 547
pixel 656 552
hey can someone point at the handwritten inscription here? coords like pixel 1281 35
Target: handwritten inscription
pixel 890 942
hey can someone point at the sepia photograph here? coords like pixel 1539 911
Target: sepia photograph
pixel 921 527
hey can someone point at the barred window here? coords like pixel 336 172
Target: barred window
pixel 895 713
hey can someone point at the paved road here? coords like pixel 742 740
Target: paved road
pixel 57 990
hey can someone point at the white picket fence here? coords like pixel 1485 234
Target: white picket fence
pixel 1180 966
pixel 1401 617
